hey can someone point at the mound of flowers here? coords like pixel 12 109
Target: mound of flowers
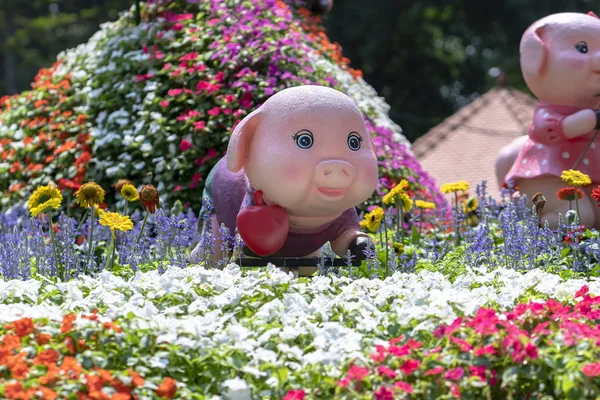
pixel 156 102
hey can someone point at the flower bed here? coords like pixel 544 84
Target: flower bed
pixel 162 97
pixel 262 334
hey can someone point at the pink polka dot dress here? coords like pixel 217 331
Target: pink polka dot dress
pixel 548 151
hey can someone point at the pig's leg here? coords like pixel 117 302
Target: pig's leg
pixel 548 186
pixel 354 240
pixel 506 158
pixel 197 254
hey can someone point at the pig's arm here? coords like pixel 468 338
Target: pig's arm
pixel 350 237
pixel 550 127
pixel 355 241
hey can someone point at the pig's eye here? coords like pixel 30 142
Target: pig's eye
pixel 304 139
pixel 354 141
pixel 582 47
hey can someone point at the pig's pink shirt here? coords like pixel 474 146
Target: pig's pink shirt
pixel 548 151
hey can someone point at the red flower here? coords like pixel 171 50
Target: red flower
pixel 591 370
pixel 568 193
pixel 582 292
pixel 294 395
pixel 184 145
pixel 410 366
pixel 596 194
pixel 387 371
pixel 404 386
pixel 384 393
pixel 434 371
pixel 485 350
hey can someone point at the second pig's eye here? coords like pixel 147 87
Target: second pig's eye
pixel 354 141
pixel 582 47
pixel 304 139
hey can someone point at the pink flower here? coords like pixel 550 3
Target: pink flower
pixel 540 329
pixel 189 56
pixel 455 390
pixel 343 383
pixel 434 371
pixel 485 321
pixel 177 188
pixel 167 66
pixel 434 350
pixel 531 350
pixel 485 350
pixel 410 366
pixel 159 55
pixel 357 373
pixel 178 26
pixel 143 77
pixel 227 111
pixel 214 111
pixel 195 178
pixel 399 351
pixel 478 371
pixel 229 98
pixel 294 395
pixel 246 100
pixel 384 393
pixel 383 370
pixel 462 344
pixel 184 145
pixel 175 92
pixel 454 374
pixel 380 355
pixel 199 125
pixel 591 370
pixel 164 103
pixel 404 386
pixel 582 292
pixel 219 76
pixel 238 113
pixel 413 344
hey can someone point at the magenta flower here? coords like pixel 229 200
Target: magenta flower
pixel 387 371
pixel 384 393
pixel 184 145
pixel 294 395
pixel 591 370
pixel 357 373
pixel 410 366
pixel 434 371
pixel 454 374
pixel 404 386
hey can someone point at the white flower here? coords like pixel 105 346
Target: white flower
pixel 237 389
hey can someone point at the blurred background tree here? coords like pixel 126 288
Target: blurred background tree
pixel 426 57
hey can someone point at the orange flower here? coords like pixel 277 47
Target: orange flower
pixel 121 396
pixel 81 119
pixel 47 393
pixel 167 388
pixel 568 193
pixel 42 339
pixel 71 367
pixel 70 345
pixel 112 325
pixel 149 198
pixel 14 391
pixel 137 380
pixel 94 383
pixel 51 375
pixel 47 357
pixel 21 327
pixel 98 395
pixel 67 323
pixel 11 341
pixel 18 367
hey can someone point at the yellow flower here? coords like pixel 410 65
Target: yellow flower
pixel 116 221
pixel 373 219
pixel 89 194
pixel 407 203
pixel 470 205
pixel 390 198
pixel 575 178
pixel 454 187
pixel 129 192
pixel 44 198
pixel 425 205
pixel 98 210
pixel 398 247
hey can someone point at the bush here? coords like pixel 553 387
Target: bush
pixel 156 102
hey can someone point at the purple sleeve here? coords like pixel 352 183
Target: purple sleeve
pixel 348 220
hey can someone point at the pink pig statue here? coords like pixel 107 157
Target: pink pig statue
pixel 560 61
pixel 294 171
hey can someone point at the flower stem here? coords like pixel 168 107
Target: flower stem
pixel 401 222
pixel 456 226
pixel 577 206
pixel 59 267
pixel 387 248
pixel 110 252
pixel 90 240
pixel 141 230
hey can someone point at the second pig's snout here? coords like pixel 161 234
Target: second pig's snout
pixel 334 174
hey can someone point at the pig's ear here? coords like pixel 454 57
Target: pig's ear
pixel 239 143
pixel 592 14
pixel 533 51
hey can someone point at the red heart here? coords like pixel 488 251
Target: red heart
pixel 263 229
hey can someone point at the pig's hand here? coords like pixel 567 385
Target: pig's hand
pixel 580 123
pixel 355 241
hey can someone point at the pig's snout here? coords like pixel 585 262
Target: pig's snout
pixel 334 174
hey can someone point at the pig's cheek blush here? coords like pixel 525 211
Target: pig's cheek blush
pixel 292 172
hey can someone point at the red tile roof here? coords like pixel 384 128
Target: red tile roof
pixel 464 146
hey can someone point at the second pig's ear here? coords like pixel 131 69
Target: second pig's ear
pixel 239 143
pixel 533 51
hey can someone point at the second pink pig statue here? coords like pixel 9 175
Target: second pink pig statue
pixel 294 171
pixel 560 61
